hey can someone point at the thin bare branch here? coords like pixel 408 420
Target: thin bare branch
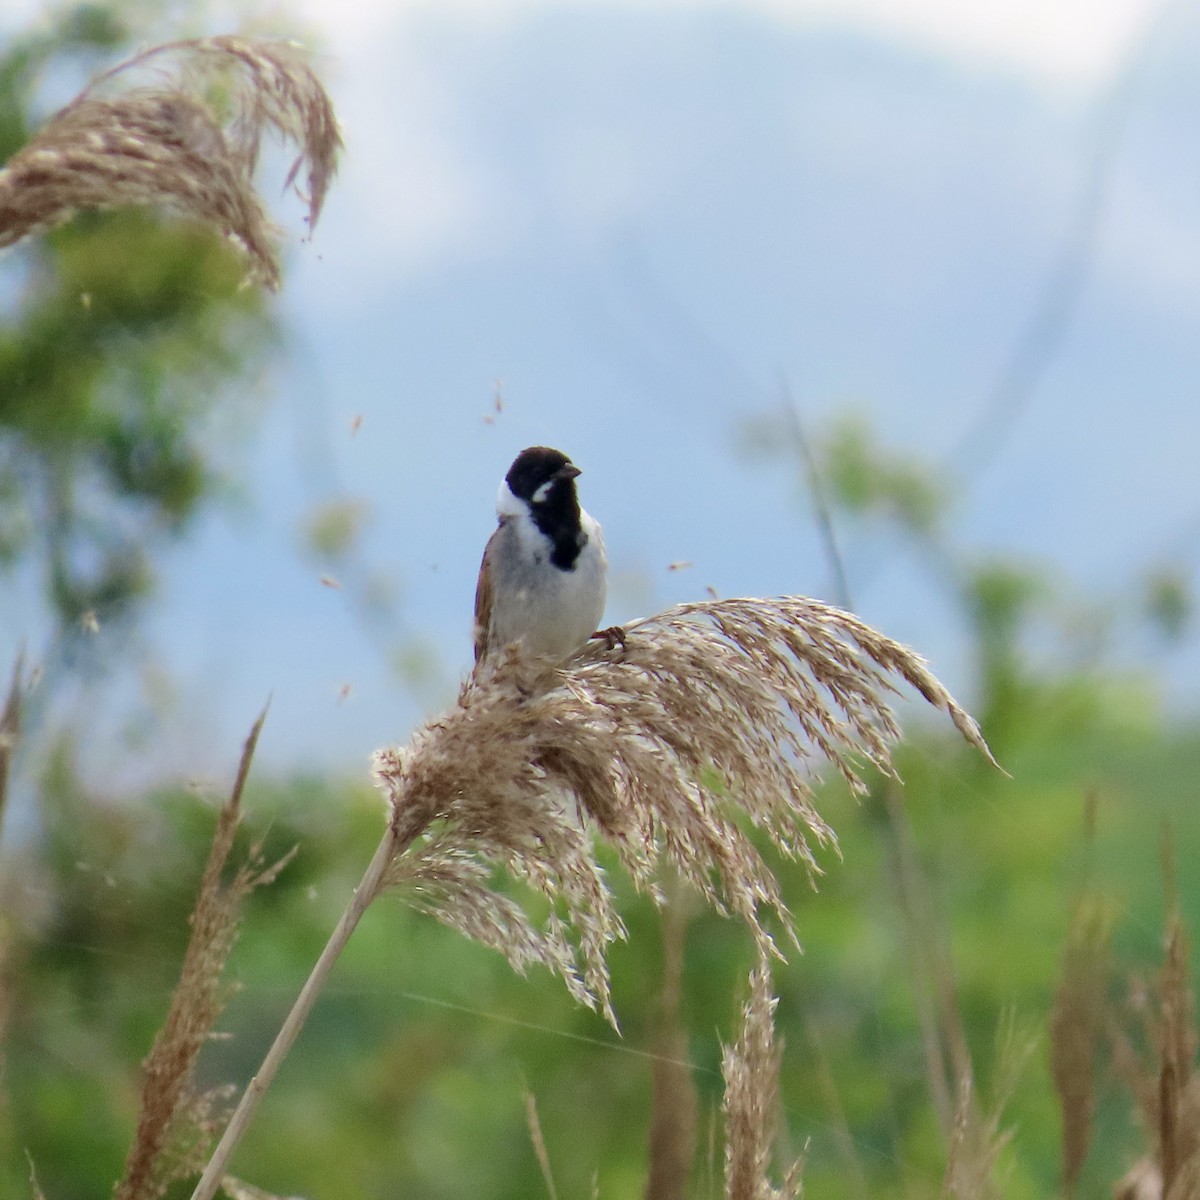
pixel 820 502
pixel 1041 336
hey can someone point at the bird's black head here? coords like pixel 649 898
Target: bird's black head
pixel 538 472
pixel 545 479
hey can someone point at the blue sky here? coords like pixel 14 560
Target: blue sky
pixel 629 221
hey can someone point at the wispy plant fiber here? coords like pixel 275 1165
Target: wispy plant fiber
pixel 167 144
pixel 712 716
pixel 979 1138
pixel 751 1104
pixel 175 1122
pixel 709 715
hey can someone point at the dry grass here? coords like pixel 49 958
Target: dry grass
pixel 712 718
pixel 534 1125
pixel 674 1103
pixel 175 1122
pixel 189 141
pixel 1166 1088
pixel 980 1137
pixel 1077 1021
pixel 973 1125
pixel 35 1190
pixel 1152 1040
pixel 948 1066
pixel 10 727
pixel 751 1105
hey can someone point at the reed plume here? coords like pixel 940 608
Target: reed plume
pixel 751 1105
pixel 712 716
pixel 189 141
pixel 176 1122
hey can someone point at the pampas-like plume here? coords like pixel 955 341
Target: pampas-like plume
pixel 751 1071
pixel 709 713
pixel 175 1123
pixel 166 144
pixel 709 710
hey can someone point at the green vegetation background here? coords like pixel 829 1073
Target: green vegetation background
pixel 410 1078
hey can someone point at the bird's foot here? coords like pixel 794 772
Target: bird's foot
pixel 612 637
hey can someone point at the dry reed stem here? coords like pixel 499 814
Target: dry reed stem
pixel 534 1125
pixel 709 714
pixel 960 1131
pixel 10 727
pixel 935 993
pixel 1178 1106
pixel 35 1190
pixel 1076 1027
pixel 751 1104
pixel 166 144
pixel 397 837
pixel 674 1104
pixel 711 717
pixel 174 1123
pixel 1167 1089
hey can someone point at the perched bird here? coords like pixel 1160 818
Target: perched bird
pixel 543 578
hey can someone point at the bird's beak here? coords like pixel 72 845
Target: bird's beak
pixel 569 471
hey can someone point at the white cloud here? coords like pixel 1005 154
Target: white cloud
pixel 1079 42
pixel 430 197
pixel 1074 41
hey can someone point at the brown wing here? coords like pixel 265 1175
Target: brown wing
pixel 483 602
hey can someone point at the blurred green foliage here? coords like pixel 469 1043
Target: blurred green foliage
pixel 123 330
pixel 409 1078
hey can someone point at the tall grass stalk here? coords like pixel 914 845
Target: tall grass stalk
pixel 709 714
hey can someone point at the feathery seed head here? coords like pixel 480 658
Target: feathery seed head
pixel 710 710
pixel 165 144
